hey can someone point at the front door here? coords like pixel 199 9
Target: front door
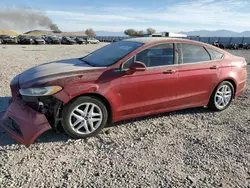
pixel 152 90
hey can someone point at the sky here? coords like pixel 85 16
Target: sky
pixel 163 15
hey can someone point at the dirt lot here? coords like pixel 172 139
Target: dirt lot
pixel 193 147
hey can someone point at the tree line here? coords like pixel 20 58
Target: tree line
pixel 90 32
pixel 134 33
pixel 129 32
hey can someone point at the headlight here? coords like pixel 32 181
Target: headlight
pixel 42 91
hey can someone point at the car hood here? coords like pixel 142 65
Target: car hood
pixel 52 71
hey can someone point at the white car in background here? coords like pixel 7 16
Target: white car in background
pixel 92 40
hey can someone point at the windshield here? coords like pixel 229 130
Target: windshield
pixel 111 53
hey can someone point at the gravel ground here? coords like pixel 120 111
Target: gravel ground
pixel 188 148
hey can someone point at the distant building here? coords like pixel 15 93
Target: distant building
pixel 165 34
pixel 168 34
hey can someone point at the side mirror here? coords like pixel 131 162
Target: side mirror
pixel 137 66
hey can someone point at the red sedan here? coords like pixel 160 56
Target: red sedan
pixel 126 79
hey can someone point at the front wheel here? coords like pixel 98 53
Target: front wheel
pixel 84 117
pixel 222 96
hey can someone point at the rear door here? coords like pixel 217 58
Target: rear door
pixel 152 90
pixel 198 74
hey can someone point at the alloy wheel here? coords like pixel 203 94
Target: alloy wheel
pixel 223 96
pixel 85 118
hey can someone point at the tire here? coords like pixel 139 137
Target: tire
pixel 221 96
pixel 81 103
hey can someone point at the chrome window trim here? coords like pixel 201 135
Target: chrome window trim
pixel 199 62
pixel 180 64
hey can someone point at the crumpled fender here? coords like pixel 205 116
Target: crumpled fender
pixel 23 123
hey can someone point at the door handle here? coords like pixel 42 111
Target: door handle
pixel 169 71
pixel 214 67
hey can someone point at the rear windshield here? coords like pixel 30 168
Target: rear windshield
pixel 111 53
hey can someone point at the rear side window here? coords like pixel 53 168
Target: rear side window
pixel 194 53
pixel 215 55
pixel 159 55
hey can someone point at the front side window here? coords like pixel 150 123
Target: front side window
pixel 159 55
pixel 194 53
pixel 110 54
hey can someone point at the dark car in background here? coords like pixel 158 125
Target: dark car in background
pixel 224 42
pixel 5 39
pixel 67 40
pixel 38 40
pixel 246 46
pixel 25 40
pixel 2 37
pixel 246 43
pixel 213 40
pixel 116 40
pixel 236 43
pixel 53 40
pixel 80 40
pixel 216 44
pixel 233 43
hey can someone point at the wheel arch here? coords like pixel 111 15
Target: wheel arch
pixel 211 104
pixel 231 80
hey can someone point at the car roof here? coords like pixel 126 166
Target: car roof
pixel 155 40
pixel 147 40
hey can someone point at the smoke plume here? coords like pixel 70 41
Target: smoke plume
pixel 25 18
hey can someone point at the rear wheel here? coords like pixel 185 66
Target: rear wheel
pixel 222 96
pixel 84 117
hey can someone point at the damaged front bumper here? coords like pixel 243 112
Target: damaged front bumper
pixel 23 123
